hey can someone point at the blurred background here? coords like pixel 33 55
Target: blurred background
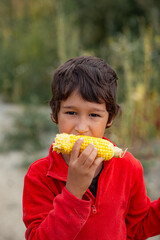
pixel 35 38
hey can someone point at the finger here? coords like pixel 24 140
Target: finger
pixel 96 163
pixel 86 153
pixel 91 158
pixel 76 149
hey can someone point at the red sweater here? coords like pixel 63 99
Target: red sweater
pixel 120 211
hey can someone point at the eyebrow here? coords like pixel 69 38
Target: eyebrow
pixel 73 107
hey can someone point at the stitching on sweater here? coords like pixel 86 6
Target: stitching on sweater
pixel 82 219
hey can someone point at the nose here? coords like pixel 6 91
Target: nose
pixel 81 126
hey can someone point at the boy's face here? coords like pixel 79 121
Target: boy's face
pixel 80 117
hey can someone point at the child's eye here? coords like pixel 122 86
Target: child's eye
pixel 94 115
pixel 71 113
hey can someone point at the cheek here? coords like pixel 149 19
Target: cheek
pixel 102 129
pixel 60 123
pixel 64 125
pixel 98 129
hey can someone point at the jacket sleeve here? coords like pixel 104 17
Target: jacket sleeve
pixel 143 217
pixel 48 215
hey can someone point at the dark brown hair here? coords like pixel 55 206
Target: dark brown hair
pixel 92 77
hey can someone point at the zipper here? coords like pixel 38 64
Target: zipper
pixel 94 204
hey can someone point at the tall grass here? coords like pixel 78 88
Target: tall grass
pixel 139 96
pixel 45 35
pixel 67 35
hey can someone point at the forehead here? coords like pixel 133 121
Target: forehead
pixel 75 100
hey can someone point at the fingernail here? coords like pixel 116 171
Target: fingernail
pixel 81 138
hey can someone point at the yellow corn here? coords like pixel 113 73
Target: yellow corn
pixel 64 144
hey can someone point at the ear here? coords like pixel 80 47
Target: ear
pixel 53 119
pixel 109 124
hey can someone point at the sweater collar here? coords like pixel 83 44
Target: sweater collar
pixel 58 168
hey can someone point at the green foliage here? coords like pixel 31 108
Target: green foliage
pixel 102 19
pixel 37 36
pixel 31 129
pixel 28 53
pixel 139 97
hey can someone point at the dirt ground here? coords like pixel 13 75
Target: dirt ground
pixel 11 184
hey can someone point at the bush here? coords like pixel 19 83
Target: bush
pixel 30 131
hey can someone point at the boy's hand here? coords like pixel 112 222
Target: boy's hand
pixel 82 168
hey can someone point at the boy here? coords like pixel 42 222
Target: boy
pixel 80 196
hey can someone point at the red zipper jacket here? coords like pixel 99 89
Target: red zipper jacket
pixel 121 209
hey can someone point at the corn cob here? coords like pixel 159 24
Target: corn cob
pixel 64 144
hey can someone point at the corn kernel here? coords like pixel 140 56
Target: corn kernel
pixel 64 144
